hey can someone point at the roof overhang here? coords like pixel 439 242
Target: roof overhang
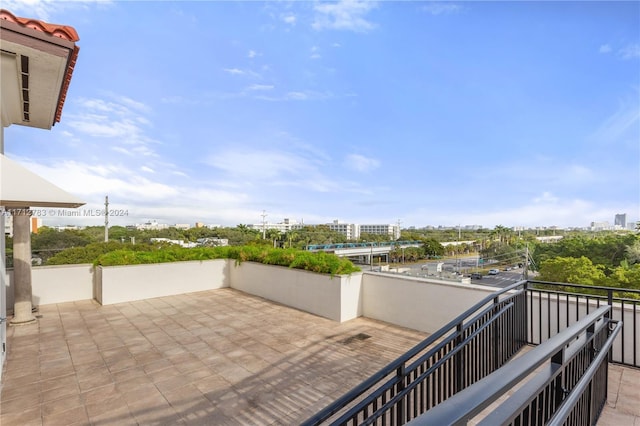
pixel 21 188
pixel 37 64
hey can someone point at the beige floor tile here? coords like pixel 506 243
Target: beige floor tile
pixel 218 357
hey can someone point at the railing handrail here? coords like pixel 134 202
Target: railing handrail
pixel 429 371
pixel 472 400
pixel 399 362
pixel 589 287
pixel 564 411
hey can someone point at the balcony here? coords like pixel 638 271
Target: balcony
pixel 225 356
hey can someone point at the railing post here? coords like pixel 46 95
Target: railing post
pixel 559 391
pixel 458 360
pixel 498 332
pixel 400 413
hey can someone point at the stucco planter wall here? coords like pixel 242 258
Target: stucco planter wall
pixel 337 298
pixel 425 305
pixel 56 284
pixel 115 284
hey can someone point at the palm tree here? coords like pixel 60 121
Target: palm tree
pixel 503 234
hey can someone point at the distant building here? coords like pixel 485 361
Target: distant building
pixel 213 242
pixel 620 221
pixel 350 230
pixel 151 225
pixel 600 226
pixel 176 242
pixel 182 226
pixel 550 239
pixel 392 231
pixel 285 226
pixel 8 224
pixel 35 223
pixel 68 228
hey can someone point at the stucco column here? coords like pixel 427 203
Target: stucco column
pixel 22 267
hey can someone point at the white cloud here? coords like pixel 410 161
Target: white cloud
pixel 238 71
pixel 261 87
pixel 544 209
pixel 119 119
pixel 45 9
pixel 315 53
pixel 252 54
pixel 361 163
pixel 605 48
pixel 303 95
pixel 256 164
pixel 297 96
pixel 629 52
pixel 620 125
pixel 578 174
pixel 147 169
pixel 441 8
pixel 343 15
pixel 143 197
pixel 235 71
pixel 289 19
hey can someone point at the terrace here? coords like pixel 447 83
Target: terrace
pixel 213 357
pixel 220 356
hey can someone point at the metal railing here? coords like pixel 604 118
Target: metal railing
pixel 555 306
pixel 478 342
pixel 470 347
pixel 585 403
pixel 570 384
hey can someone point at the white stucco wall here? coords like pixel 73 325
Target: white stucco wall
pixel 336 298
pixel 420 304
pixel 118 284
pixel 56 284
pixel 424 305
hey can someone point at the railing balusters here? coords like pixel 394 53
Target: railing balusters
pixel 479 342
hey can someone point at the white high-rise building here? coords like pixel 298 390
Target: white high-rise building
pixel 393 231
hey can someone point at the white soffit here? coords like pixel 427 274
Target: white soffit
pixel 20 187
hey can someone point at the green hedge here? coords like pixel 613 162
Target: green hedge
pixel 322 263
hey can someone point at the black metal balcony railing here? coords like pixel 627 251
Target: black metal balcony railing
pixel 470 347
pixel 573 361
pixel 555 306
pixel 474 345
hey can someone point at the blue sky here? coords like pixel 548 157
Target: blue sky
pixel 427 113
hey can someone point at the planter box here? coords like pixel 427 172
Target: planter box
pixel 337 298
pixel 56 284
pixel 421 304
pixel 115 284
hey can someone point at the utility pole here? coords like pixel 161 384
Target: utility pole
pixel 106 218
pixel 399 228
pixel 264 232
pixel 525 267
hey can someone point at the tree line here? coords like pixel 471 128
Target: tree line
pixel 605 258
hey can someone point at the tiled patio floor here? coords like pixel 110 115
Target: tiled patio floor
pixel 623 399
pixel 212 358
pixel 219 357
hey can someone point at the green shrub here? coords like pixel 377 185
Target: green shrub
pixel 322 263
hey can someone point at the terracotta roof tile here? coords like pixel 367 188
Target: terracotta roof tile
pixel 62 31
